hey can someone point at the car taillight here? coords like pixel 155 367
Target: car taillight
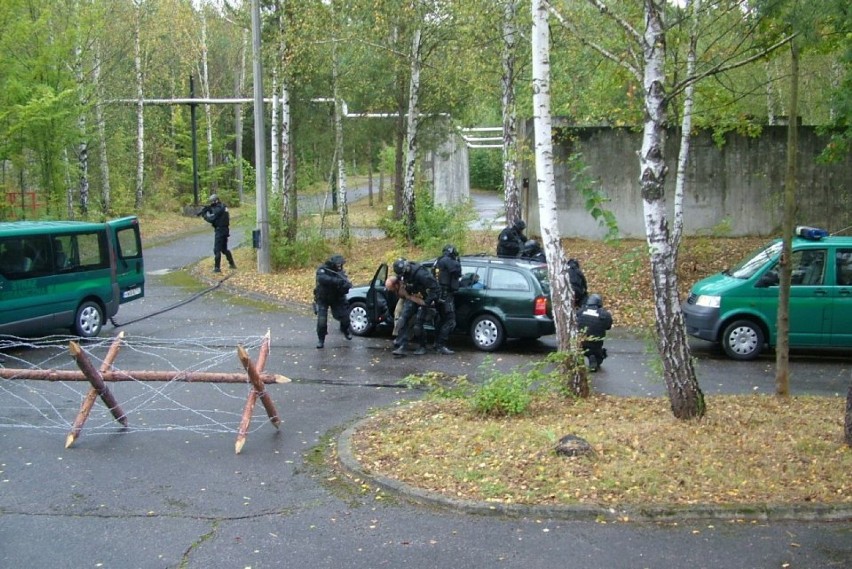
pixel 540 308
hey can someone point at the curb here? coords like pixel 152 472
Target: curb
pixel 584 512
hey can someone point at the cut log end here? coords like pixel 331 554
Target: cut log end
pixel 69 440
pixel 238 448
pixel 282 379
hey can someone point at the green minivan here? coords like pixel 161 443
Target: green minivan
pixel 67 274
pixel 738 307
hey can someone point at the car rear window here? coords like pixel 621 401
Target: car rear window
pixel 507 279
pixel 543 278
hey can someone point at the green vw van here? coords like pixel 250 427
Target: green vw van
pixel 67 274
pixel 738 307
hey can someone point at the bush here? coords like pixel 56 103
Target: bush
pixel 435 226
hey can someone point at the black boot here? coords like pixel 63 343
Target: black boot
pixel 347 334
pixel 321 343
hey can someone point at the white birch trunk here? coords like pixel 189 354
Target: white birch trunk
pixel 140 110
pixel 685 396
pixel 274 157
pixel 208 110
pixel 562 295
pixel 239 87
pixel 106 204
pixel 509 110
pixel 83 144
pixel 408 206
pixel 288 189
pixel 342 206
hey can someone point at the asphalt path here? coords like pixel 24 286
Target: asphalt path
pixel 169 491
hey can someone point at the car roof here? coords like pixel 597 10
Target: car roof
pixel 485 258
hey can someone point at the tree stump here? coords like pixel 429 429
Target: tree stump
pixel 572 445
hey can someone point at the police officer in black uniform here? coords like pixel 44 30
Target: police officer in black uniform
pixel 417 280
pixel 511 240
pixel 448 272
pixel 594 320
pixel 330 292
pixel 216 214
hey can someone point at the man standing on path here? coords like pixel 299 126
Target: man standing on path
pixel 330 292
pixel 216 214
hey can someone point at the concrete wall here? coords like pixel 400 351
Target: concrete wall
pixel 448 170
pixel 738 186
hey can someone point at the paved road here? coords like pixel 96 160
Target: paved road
pixel 170 492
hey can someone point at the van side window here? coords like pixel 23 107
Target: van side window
pixel 91 250
pixel 25 257
pixel 808 267
pixel 128 245
pixel 844 267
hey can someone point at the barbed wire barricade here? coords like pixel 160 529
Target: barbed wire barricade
pixel 58 392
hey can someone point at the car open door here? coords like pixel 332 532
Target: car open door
pixel 377 301
pixel 126 253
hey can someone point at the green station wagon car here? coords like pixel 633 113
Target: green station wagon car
pixel 738 307
pixel 499 298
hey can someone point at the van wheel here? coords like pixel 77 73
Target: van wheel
pixel 358 321
pixel 742 340
pixel 89 320
pixel 487 333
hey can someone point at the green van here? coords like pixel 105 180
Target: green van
pixel 67 274
pixel 739 307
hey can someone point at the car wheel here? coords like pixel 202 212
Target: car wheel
pixel 487 333
pixel 89 320
pixel 742 340
pixel 358 321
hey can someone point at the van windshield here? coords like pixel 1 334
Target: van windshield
pixel 755 261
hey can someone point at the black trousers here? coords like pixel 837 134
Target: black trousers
pixel 447 320
pixel 421 314
pixel 594 350
pixel 340 312
pixel 220 245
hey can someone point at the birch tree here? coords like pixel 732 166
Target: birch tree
pixel 509 113
pixel 408 206
pixel 342 206
pixel 100 122
pixel 561 293
pixel 140 107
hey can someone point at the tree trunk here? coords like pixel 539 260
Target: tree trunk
pixel 140 110
pixel 408 208
pixel 782 343
pixel 208 110
pixel 106 204
pixel 275 146
pixel 509 110
pixel 685 396
pixel 83 145
pixel 342 206
pixel 562 295
pixel 848 423
pixel 239 86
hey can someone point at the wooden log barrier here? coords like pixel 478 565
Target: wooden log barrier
pixel 141 375
pixel 92 395
pixel 97 382
pixel 258 391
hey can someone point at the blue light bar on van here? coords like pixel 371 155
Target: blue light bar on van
pixel 807 232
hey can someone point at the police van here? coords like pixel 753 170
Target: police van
pixel 67 274
pixel 738 307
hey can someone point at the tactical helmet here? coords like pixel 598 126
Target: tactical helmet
pixel 520 225
pixel 337 261
pixel 594 300
pixel 400 266
pixel 451 251
pixel 213 199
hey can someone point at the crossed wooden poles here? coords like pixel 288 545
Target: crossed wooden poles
pixel 98 378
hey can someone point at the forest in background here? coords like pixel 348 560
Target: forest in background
pixel 70 72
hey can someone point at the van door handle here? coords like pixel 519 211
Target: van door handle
pixel 844 292
pixel 820 292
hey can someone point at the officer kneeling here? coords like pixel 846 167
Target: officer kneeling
pixel 594 320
